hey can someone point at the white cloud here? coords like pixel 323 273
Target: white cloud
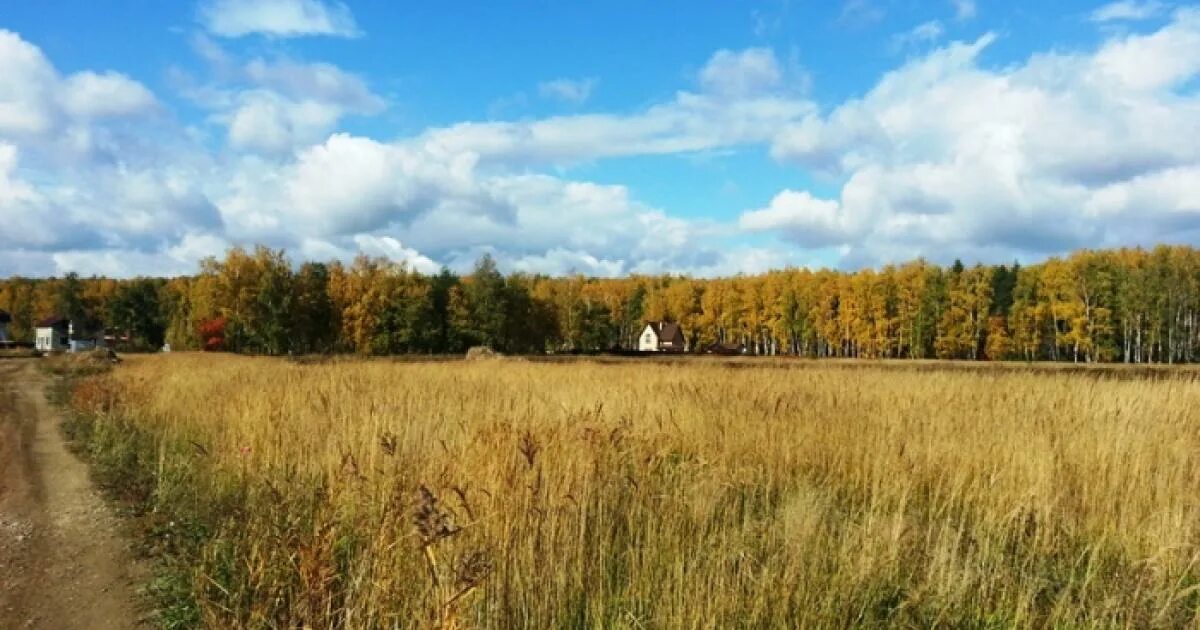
pixel 265 122
pixel 803 218
pixel 135 203
pixel 276 107
pixel 691 122
pixel 354 192
pixel 924 33
pixel 278 18
pixel 1128 10
pixel 1164 59
pixel 741 73
pixel 90 95
pixel 559 261
pixel 74 175
pixel 314 81
pixel 395 251
pixel 27 86
pixel 1070 148
pixel 573 91
pixel 35 100
pixel 1087 148
pixel 22 206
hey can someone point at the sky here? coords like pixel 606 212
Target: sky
pixel 602 138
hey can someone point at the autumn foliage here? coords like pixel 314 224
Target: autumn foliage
pixel 1125 305
pixel 212 334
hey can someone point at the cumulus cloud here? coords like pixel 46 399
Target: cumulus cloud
pixel 573 91
pixel 22 205
pixel 1071 150
pixel 28 86
pixel 394 250
pixel 1085 148
pixel 75 176
pixel 805 219
pixel 277 106
pixel 741 73
pixel 90 95
pixel 354 193
pixel 35 99
pixel 441 197
pixel 266 122
pixel 277 18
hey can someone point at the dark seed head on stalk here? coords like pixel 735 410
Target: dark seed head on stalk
pixel 473 569
pixel 388 443
pixel 529 448
pixel 432 522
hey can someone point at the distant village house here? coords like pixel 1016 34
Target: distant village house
pixel 5 320
pixel 56 334
pixel 661 337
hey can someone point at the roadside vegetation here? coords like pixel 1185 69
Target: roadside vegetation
pixel 504 493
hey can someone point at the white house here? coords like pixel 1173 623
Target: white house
pixel 52 334
pixel 56 333
pixel 661 337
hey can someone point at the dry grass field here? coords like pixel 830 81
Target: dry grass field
pixel 516 494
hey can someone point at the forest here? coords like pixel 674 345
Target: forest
pixel 1121 305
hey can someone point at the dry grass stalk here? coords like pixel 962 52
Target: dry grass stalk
pixel 679 495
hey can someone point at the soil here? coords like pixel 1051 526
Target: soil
pixel 63 562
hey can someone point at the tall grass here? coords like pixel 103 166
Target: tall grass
pixel 514 494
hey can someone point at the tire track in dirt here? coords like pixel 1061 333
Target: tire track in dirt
pixel 63 564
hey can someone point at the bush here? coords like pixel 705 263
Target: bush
pixel 477 353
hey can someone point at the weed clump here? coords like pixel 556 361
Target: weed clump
pixel 479 353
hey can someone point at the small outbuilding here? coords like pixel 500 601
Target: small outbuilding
pixel 726 349
pixel 661 337
pixel 5 320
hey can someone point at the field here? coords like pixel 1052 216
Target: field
pixel 508 493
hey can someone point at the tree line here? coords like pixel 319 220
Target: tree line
pixel 1126 305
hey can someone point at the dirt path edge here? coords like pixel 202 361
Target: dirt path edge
pixel 63 562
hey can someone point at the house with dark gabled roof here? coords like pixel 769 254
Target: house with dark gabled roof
pixel 661 337
pixel 5 320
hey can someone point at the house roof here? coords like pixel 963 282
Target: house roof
pixel 666 330
pixel 52 321
pixel 5 317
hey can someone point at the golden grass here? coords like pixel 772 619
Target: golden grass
pixel 678 495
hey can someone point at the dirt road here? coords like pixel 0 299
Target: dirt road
pixel 62 563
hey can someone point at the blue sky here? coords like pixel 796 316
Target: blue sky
pixel 604 138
